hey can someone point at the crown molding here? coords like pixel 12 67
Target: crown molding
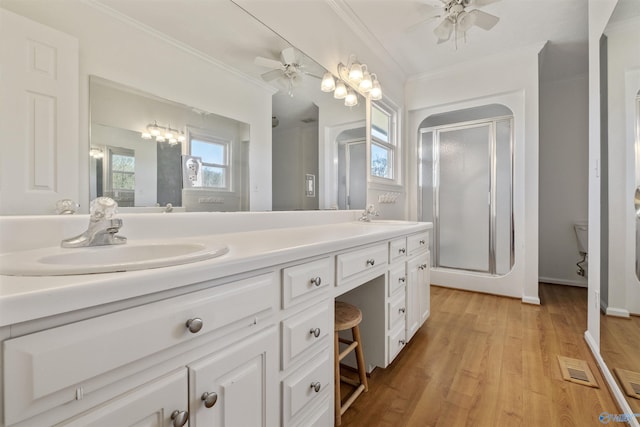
pixel 96 4
pixel 344 11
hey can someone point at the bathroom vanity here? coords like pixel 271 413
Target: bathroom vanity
pixel 242 339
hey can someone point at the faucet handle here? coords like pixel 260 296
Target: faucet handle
pixel 66 207
pixel 103 208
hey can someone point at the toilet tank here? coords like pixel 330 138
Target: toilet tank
pixel 582 236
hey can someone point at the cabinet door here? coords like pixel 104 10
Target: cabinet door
pixel 150 405
pixel 424 286
pixel 236 386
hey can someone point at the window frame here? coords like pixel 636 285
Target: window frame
pixel 392 146
pixel 208 137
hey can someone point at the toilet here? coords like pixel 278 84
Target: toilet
pixel 582 237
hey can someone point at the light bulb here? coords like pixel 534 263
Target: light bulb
pixel 160 138
pixel 328 83
pixel 168 134
pixel 181 138
pixel 355 72
pixel 145 135
pixel 154 130
pixel 351 99
pixel 173 141
pixel 341 91
pixel 365 84
pixel 376 91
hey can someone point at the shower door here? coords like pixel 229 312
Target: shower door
pixel 465 190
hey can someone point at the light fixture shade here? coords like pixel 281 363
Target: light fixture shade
pixel 376 91
pixel 328 83
pixel 181 138
pixel 154 130
pixel 341 91
pixel 466 21
pixel 351 99
pixel 145 135
pixel 355 72
pixel 160 138
pixel 365 84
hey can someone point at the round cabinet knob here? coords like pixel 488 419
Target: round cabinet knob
pixel 402 250
pixel 209 399
pixel 179 418
pixel 315 332
pixel 401 279
pixel 402 342
pixel 371 262
pixel 316 386
pixel 402 310
pixel 194 325
pixel 316 281
pixel 422 242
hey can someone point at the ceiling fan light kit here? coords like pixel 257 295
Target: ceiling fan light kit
pixel 457 20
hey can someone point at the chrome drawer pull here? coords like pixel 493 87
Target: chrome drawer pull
pixel 371 261
pixel 402 250
pixel 194 325
pixel 316 386
pixel 316 281
pixel 402 310
pixel 422 242
pixel 209 399
pixel 179 418
pixel 315 332
pixel 401 279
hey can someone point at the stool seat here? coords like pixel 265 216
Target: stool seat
pixel 347 316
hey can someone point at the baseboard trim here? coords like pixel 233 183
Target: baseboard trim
pixel 617 312
pixel 531 300
pixel 554 281
pixel 618 396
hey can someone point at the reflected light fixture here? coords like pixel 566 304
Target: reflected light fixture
pixel 351 99
pixel 358 76
pixel 163 133
pixel 341 90
pixel 328 83
pixel 96 153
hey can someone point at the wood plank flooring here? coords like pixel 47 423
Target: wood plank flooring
pixel 484 360
pixel 620 347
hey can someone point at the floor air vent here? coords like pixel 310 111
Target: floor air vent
pixel 577 371
pixel 630 382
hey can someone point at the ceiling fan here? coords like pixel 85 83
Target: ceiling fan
pixel 289 68
pixel 458 18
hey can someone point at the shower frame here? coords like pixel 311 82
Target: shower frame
pixel 435 131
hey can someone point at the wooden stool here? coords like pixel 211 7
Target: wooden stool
pixel 348 317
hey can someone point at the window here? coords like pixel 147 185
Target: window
pixel 119 168
pixel 383 142
pixel 215 155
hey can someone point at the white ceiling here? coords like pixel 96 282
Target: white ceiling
pixel 221 30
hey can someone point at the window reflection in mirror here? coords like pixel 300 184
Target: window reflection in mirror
pixel 383 142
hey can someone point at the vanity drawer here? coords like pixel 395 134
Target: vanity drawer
pixel 58 362
pixel 397 310
pixel 396 341
pixel 417 243
pixel 303 330
pixel 351 264
pixel 397 249
pixel 397 279
pixel 299 389
pixel 305 281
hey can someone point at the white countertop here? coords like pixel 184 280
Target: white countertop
pixel 24 298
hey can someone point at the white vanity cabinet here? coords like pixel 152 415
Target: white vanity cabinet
pixel 418 285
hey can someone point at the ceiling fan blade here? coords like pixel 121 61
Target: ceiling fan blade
pixel 480 3
pixel 288 55
pixel 268 63
pixel 484 20
pixel 271 75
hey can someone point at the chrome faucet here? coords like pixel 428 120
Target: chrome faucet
pixel 102 226
pixel 369 212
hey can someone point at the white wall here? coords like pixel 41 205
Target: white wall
pixel 564 159
pixel 481 83
pixel 623 42
pixel 128 54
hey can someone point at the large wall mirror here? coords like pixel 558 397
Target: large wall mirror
pixel 620 290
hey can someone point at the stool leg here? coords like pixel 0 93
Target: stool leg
pixel 362 370
pixel 338 403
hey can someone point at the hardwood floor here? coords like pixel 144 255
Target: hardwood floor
pixel 484 360
pixel 619 338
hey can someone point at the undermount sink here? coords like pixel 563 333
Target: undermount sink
pixel 57 261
